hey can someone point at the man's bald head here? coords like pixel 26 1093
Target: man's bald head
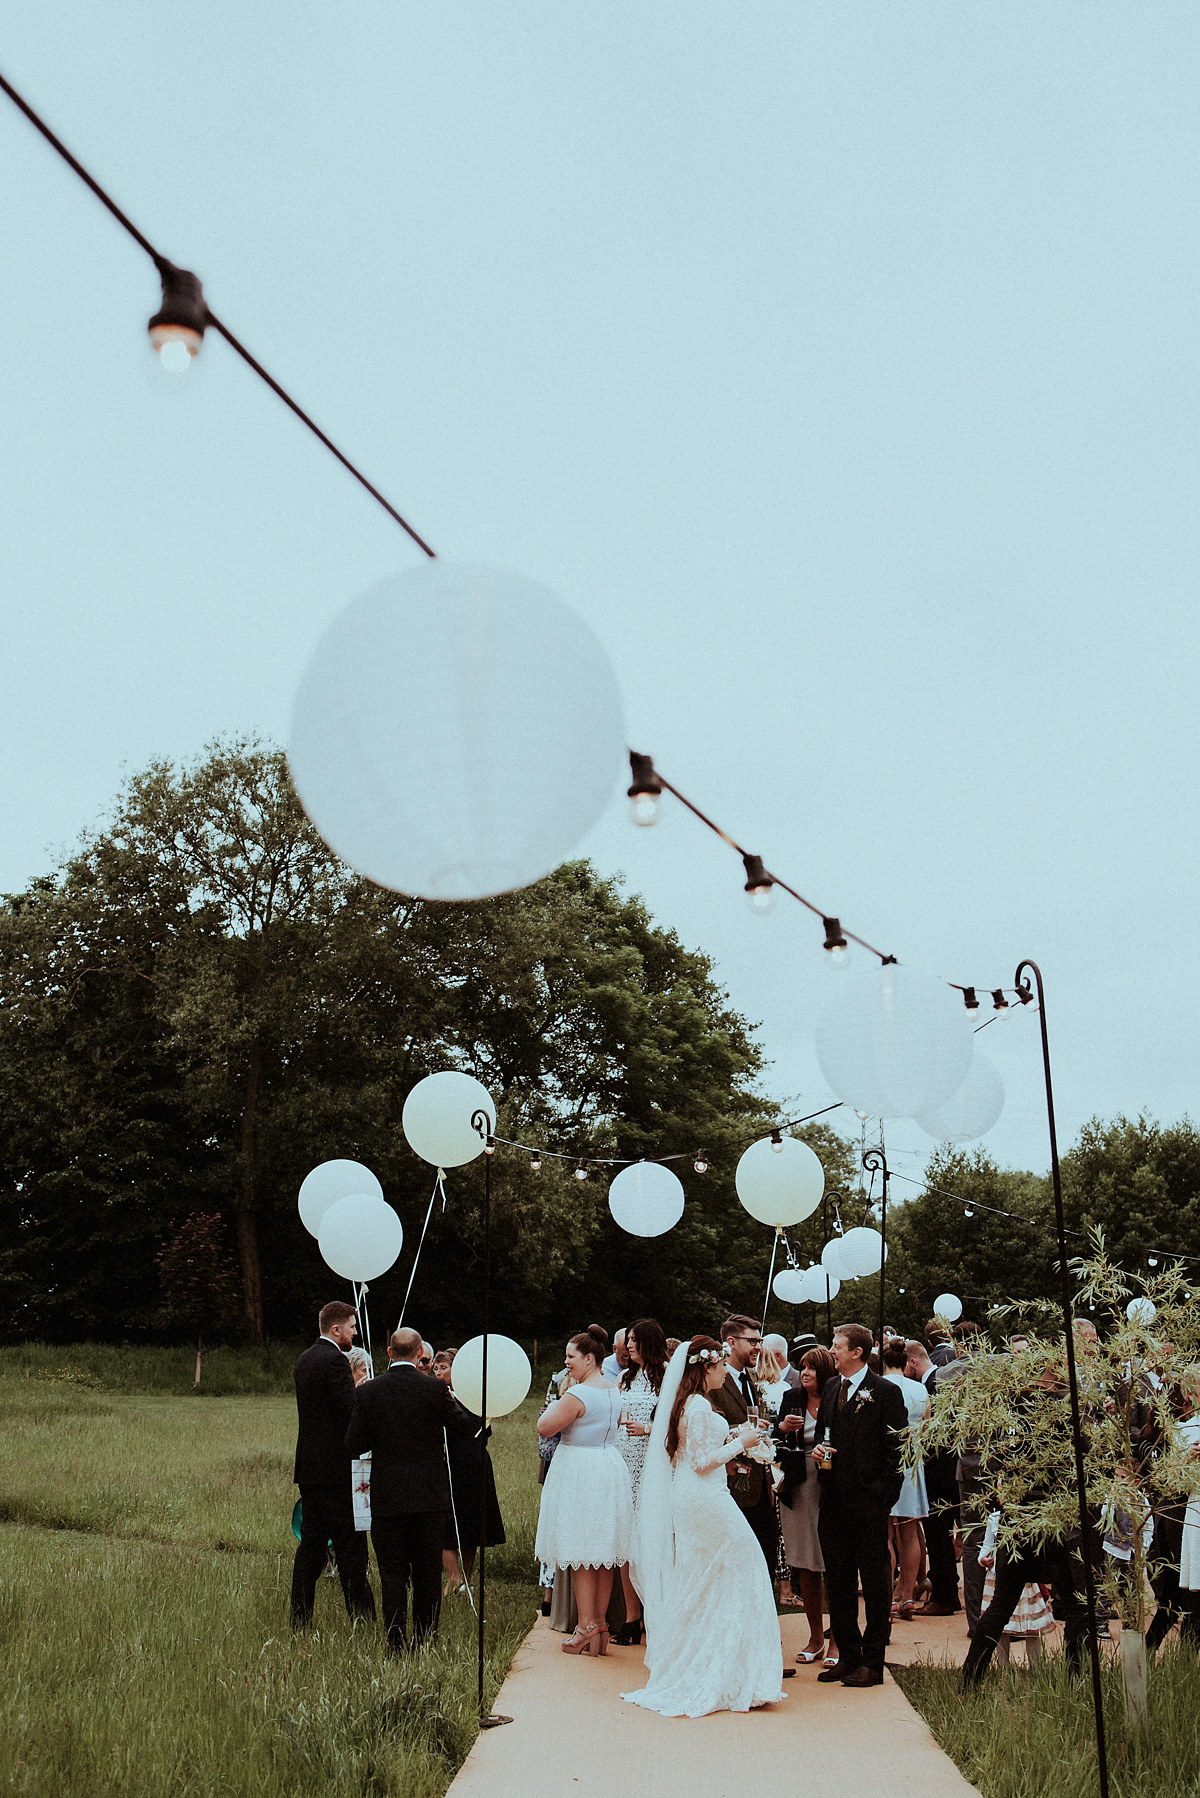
pixel 404 1345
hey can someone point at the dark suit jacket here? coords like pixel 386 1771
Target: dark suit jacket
pixel 324 1401
pixel 869 1436
pixel 400 1417
pixel 728 1400
pixel 790 1451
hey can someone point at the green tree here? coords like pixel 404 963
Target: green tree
pixel 198 1281
pixel 1139 1183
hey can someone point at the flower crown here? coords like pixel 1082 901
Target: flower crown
pixel 705 1355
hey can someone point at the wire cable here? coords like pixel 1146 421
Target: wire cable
pixel 161 263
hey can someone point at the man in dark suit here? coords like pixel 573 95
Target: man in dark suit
pixel 861 1426
pixel 941 1486
pixel 749 1481
pixel 403 1418
pixel 324 1401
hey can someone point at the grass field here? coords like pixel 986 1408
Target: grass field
pixel 145 1565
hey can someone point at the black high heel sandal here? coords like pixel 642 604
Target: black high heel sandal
pixel 630 1634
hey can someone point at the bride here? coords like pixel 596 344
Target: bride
pixel 712 1636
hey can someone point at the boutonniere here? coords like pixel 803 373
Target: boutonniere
pixel 864 1398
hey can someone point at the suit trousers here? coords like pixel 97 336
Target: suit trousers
pixel 942 1489
pixel 408 1549
pixel 1051 1565
pixel 764 1521
pixel 853 1530
pixel 327 1515
pixel 973 1525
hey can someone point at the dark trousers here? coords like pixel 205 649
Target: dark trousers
pixel 854 1542
pixel 408 1549
pixel 764 1521
pixel 942 1489
pixel 1051 1565
pixel 973 1525
pixel 327 1515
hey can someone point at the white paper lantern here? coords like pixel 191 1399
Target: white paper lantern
pixel 646 1199
pixel 790 1286
pixel 331 1181
pixel 509 1375
pixel 437 1118
pixel 457 732
pixel 862 1251
pixel 1141 1311
pixel 360 1237
pixel 893 1042
pixel 831 1259
pixel 972 1108
pixel 947 1307
pixel 821 1285
pixel 780 1184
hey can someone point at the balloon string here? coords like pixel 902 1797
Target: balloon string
pixel 437 1187
pixel 466 1584
pixel 770 1277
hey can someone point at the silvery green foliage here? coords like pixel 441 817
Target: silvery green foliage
pixel 1015 1408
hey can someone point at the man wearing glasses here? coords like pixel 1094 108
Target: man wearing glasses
pixel 749 1481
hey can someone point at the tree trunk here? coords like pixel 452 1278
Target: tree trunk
pixel 198 1348
pixel 1133 1677
pixel 247 1218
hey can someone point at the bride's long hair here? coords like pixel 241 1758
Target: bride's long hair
pixel 691 1380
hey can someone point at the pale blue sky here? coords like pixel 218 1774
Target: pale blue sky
pixel 839 363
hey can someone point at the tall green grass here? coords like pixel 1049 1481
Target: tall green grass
pixel 225 1372
pixel 1030 1733
pixel 145 1566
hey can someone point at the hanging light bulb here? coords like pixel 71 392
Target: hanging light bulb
pixel 862 1116
pixel 645 792
pixel 835 942
pixel 535 1162
pixel 177 328
pixel 777 1141
pixel 968 1211
pixel 999 1002
pixel 701 1163
pixel 900 1289
pixel 970 998
pixel 489 1147
pixel 760 888
pixel 581 1172
pixel 1151 1260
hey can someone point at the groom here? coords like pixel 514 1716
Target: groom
pixel 861 1425
pixel 749 1482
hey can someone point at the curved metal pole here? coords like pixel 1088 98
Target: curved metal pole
pixel 828 1294
pixel 875 1162
pixel 482 1122
pixel 1085 1522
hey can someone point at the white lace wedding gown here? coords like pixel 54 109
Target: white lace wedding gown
pixel 714 1644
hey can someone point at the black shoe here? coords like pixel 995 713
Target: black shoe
pixel 789 1673
pixel 629 1634
pixel 827 1675
pixel 864 1676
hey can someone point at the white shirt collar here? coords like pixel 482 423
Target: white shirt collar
pixel 337 1345
pixel 856 1380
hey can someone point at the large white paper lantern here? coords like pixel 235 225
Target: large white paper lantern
pixel 831 1259
pixel 821 1285
pixel 437 1118
pixel 894 1042
pixel 790 1286
pixel 360 1237
pixel 972 1107
pixel 509 1375
pixel 646 1199
pixel 947 1307
pixel 1141 1311
pixel 862 1251
pixel 331 1181
pixel 780 1183
pixel 457 732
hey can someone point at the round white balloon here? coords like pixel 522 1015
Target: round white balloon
pixel 646 1199
pixel 972 1108
pixel 862 1251
pixel 331 1181
pixel 509 1375
pixel 360 1237
pixel 947 1307
pixel 437 1118
pixel 790 1286
pixel 1141 1311
pixel 780 1186
pixel 457 732
pixel 894 1042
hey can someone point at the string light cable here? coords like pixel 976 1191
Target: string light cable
pixel 177 329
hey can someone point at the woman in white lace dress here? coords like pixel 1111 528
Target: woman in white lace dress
pixel 713 1636
pixel 586 1515
pixel 640 1386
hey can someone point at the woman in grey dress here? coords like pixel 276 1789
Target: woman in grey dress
pixel 799 1498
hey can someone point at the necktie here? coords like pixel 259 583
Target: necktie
pixel 843 1395
pixel 747 1391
